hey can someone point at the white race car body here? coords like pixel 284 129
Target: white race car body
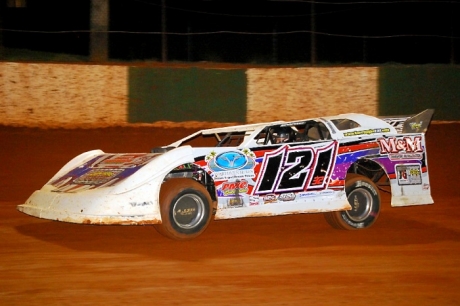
pixel 247 174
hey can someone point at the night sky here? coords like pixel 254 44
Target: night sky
pixel 257 32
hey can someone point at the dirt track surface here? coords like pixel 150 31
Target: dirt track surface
pixel 409 257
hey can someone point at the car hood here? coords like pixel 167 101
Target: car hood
pixel 115 172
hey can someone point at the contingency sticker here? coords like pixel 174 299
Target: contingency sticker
pixel 409 174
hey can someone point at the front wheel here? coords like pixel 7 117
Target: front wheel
pixel 364 198
pixel 185 207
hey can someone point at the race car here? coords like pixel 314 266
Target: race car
pixel 336 165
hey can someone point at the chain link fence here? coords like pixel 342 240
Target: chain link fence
pixel 265 32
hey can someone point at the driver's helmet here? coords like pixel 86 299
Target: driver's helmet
pixel 282 135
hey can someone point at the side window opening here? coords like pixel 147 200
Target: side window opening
pixel 314 131
pixel 262 137
pixel 307 131
pixel 276 135
pixel 345 124
pixel 233 139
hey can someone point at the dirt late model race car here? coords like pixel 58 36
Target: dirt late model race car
pixel 336 165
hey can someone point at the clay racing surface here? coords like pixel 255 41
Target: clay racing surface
pixel 411 256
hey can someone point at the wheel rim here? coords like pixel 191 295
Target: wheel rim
pixel 188 211
pixel 361 205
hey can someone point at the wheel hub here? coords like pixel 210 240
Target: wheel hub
pixel 188 211
pixel 361 204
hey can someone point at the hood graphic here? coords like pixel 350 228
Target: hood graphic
pixel 102 171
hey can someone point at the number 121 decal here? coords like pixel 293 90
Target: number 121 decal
pixel 296 169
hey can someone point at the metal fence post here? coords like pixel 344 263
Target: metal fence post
pixel 99 25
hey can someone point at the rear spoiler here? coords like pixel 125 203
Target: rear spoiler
pixel 418 123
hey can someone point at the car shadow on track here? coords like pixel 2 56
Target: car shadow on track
pixel 240 236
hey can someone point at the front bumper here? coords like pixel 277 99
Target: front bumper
pixel 92 207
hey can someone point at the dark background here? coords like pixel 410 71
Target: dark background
pixel 256 32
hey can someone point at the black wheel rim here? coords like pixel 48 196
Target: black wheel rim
pixel 361 205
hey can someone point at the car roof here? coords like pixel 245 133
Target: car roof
pixel 365 122
pixel 240 128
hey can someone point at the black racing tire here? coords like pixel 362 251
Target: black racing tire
pixel 364 198
pixel 185 207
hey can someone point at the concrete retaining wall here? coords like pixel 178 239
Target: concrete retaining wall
pixel 70 95
pixel 298 93
pixel 57 95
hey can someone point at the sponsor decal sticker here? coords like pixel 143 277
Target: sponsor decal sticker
pixel 234 188
pixel 97 176
pixel 270 198
pixel 102 171
pixel 308 194
pixel 238 174
pixel 254 200
pixel 415 126
pixel 366 132
pixel 235 202
pixel 287 197
pixel 137 204
pixel 231 164
pixel 327 193
pixel 409 174
pixel 402 148
pixel 123 161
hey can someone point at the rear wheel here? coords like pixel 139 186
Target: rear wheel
pixel 364 198
pixel 185 207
